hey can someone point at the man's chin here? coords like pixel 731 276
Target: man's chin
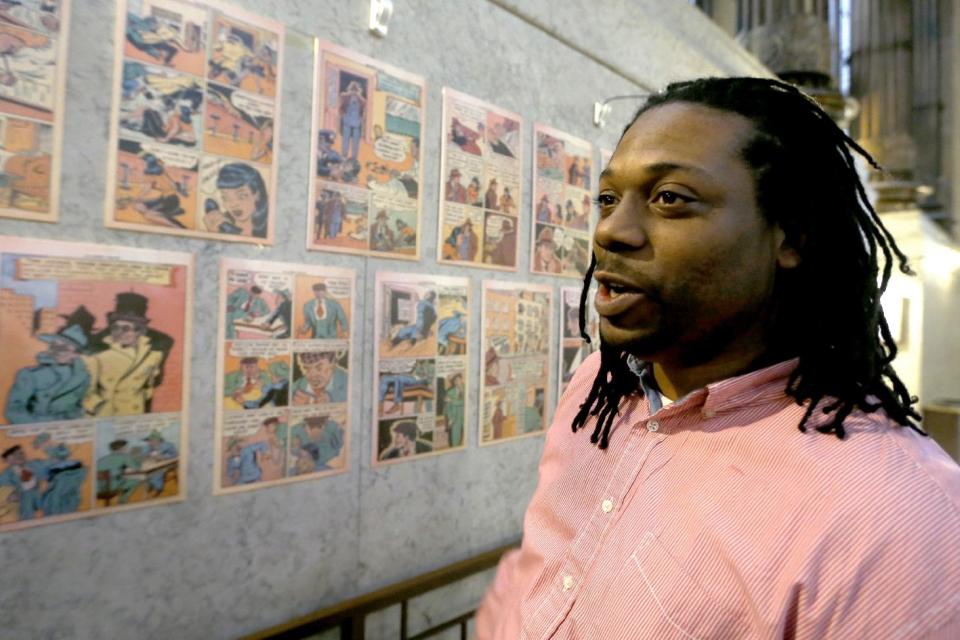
pixel 641 343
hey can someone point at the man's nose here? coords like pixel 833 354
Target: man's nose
pixel 623 228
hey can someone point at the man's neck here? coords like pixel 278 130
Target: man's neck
pixel 676 379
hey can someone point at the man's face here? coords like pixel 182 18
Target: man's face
pixel 125 333
pixel 240 203
pixel 63 351
pixel 401 441
pixel 17 458
pixel 318 373
pixel 319 294
pixel 685 260
pixel 250 369
pixel 545 249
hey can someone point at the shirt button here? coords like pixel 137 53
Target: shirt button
pixel 567 583
pixel 653 425
pixel 607 506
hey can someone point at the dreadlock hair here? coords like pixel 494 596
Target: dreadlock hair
pixel 844 345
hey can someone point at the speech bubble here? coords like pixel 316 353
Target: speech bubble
pixel 272 281
pixel 391 148
pixel 171 157
pixel 401 365
pixel 254 107
pixel 338 287
pixel 259 349
pixel 238 278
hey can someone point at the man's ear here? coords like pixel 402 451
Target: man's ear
pixel 788 249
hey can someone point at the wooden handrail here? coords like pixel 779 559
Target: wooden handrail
pixel 352 611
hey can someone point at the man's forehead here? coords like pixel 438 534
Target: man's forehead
pixel 681 134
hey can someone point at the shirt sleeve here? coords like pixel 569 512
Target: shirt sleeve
pixel 499 593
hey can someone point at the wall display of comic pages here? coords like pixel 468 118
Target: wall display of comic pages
pixel 515 356
pixel 196 105
pixel 33 43
pixel 573 348
pixel 283 384
pixel 96 347
pixel 421 365
pixel 365 186
pixel 563 182
pixel 481 162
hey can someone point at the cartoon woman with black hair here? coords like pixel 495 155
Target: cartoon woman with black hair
pixel 244 199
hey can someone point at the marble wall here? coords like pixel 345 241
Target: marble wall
pixel 221 567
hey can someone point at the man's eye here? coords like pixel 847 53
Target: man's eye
pixel 670 198
pixel 604 200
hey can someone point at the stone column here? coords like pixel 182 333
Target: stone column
pixel 792 38
pixel 881 69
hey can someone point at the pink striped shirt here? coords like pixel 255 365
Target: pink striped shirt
pixel 717 518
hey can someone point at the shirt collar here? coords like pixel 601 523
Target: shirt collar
pixel 734 392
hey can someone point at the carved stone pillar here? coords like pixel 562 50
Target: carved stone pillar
pixel 881 67
pixel 792 38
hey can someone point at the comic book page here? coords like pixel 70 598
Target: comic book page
pixel 515 350
pixel 196 106
pixel 481 160
pixel 562 203
pixel 33 49
pixel 365 175
pixel 283 383
pixel 96 379
pixel 421 363
pixel 573 348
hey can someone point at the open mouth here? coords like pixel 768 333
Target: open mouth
pixel 615 295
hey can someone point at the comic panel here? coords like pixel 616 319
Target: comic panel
pixel 408 325
pixel 238 125
pixel 500 240
pixel 284 373
pixel 26 160
pixel 318 443
pixel 454 313
pixel 578 165
pixel 33 45
pixel 450 404
pixel 405 386
pixel 368 118
pixel 459 233
pixel 46 472
pixel 550 157
pixel 503 135
pixel 254 448
pixel 160 105
pixel 560 251
pixel 156 185
pixel 28 80
pixel 573 348
pixel 340 218
pixel 320 377
pixel 515 373
pixel 323 310
pixel 393 229
pixel 405 438
pixel 90 337
pixel 235 197
pixel 256 375
pixel 42 16
pixel 259 305
pixel 138 461
pixel 464 180
pixel 243 56
pixel 167 33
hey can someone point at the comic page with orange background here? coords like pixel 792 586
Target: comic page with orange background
pixel 96 345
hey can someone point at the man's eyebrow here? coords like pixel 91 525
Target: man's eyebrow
pixel 658 168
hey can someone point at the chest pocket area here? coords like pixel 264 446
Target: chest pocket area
pixel 655 596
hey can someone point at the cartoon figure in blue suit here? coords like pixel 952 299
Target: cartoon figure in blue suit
pixel 420 329
pixel 55 387
pixel 158 449
pixel 64 477
pixel 243 464
pixel 25 477
pixel 453 325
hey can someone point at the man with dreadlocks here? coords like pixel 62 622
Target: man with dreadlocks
pixel 752 466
